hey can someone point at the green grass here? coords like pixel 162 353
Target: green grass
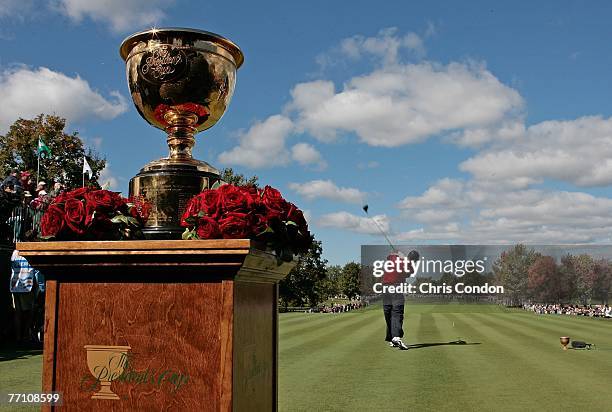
pixel 20 371
pixel 340 362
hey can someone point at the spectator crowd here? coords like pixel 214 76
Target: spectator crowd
pixel 22 204
pixel 339 308
pixel 597 311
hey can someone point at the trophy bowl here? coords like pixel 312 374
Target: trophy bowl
pixel 565 340
pixel 181 81
pixel 106 363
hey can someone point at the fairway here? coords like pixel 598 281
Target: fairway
pixel 513 361
pixel 340 362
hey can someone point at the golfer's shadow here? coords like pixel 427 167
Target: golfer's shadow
pixel 455 342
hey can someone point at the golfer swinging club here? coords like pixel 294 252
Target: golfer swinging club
pixel 393 303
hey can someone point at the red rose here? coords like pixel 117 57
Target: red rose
pixel 118 201
pixel 259 223
pixel 75 215
pixel 140 209
pixel 296 216
pixel 99 199
pixel 273 199
pixel 251 190
pixel 253 196
pixel 270 193
pixel 233 199
pixel 276 210
pixel 52 221
pixel 208 228
pixel 235 226
pixel 77 193
pixel 191 211
pixel 276 206
pixel 209 203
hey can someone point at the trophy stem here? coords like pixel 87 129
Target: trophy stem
pixel 180 129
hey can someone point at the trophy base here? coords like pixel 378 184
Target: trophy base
pixel 167 185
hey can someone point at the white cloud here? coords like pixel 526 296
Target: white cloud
pixel 121 14
pixel 394 105
pixel 507 130
pixel 386 45
pixel 26 93
pixel 432 216
pixel 262 146
pixel 350 222
pixel 473 212
pixel 447 193
pixel 16 8
pixel 576 151
pixel 329 190
pixel 107 179
pixel 403 104
pixel 305 154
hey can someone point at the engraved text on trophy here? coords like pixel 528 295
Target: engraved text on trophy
pixel 162 64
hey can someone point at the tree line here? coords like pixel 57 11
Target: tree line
pixel 530 275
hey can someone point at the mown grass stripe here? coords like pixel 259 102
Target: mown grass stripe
pixel 312 322
pixel 435 369
pixel 602 327
pixel 490 388
pixel 301 345
pixel 553 330
pixel 595 364
pixel 325 376
pixel 543 385
pixel 551 363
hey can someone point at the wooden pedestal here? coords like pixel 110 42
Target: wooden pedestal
pixel 193 324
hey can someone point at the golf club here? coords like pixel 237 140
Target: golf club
pixel 365 209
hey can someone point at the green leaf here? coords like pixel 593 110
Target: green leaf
pixel 133 221
pixel 120 219
pixel 217 185
pixel 291 222
pixel 186 234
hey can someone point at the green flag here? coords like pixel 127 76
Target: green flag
pixel 43 148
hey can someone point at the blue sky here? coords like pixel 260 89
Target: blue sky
pixel 458 122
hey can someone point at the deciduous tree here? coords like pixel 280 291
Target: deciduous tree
pixel 305 282
pixel 19 149
pixel 511 272
pixel 349 284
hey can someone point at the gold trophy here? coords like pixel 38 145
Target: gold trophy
pixel 181 81
pixel 565 340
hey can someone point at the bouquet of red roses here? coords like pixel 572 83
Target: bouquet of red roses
pixel 247 212
pixel 89 214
